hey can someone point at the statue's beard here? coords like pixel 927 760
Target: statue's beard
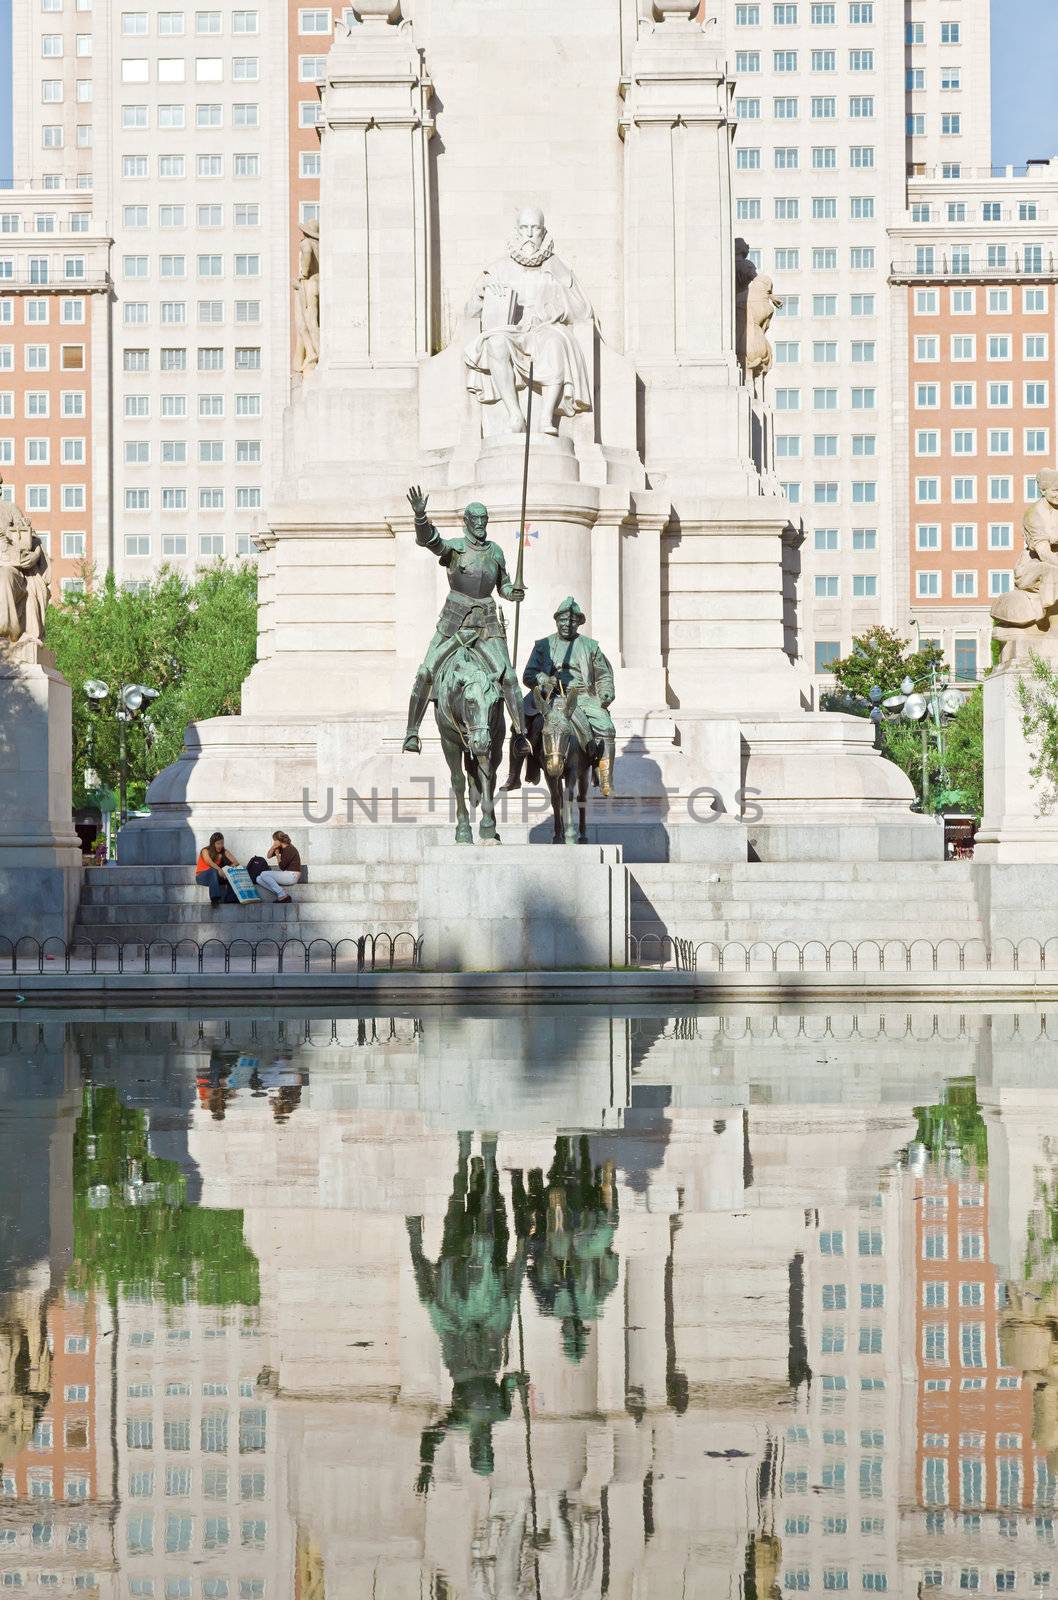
pixel 527 254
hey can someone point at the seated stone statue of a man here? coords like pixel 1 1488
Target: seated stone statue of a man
pixel 1026 617
pixel 569 659
pixel 526 304
pixel 24 577
pixel 476 571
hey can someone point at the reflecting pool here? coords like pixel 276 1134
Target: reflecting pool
pixel 549 1304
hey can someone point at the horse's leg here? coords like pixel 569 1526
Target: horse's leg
pixel 583 769
pixel 453 750
pixel 488 772
pixel 569 783
pixel 557 789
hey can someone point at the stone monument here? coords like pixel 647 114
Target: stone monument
pixel 596 140
pixel 1013 828
pixel 40 855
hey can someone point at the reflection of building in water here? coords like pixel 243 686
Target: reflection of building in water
pixel 643 1439
pixel 199 1476
pixel 719 1252
pixel 55 1479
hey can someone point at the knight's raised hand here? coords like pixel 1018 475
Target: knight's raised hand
pixel 417 501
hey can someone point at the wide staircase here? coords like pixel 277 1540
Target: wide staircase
pixel 149 904
pixel 806 903
pixel 809 903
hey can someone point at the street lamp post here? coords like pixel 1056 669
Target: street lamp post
pixel 131 700
pixel 928 711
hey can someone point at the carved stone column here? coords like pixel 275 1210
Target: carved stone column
pixel 679 256
pixel 374 196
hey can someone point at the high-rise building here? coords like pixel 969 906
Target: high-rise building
pixel 974 275
pixel 838 102
pixel 55 384
pixel 172 127
pixel 190 138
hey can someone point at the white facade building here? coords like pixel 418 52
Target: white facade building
pixel 837 102
pixel 176 121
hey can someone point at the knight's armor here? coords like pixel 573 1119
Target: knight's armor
pixel 476 572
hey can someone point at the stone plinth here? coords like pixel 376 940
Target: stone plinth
pixel 1012 829
pixel 523 908
pixel 40 855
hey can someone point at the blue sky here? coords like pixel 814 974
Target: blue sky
pixel 1024 80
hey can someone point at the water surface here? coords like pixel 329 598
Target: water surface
pixel 548 1304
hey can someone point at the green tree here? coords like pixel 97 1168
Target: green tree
pixel 881 658
pixel 962 773
pixel 194 642
pixel 1038 699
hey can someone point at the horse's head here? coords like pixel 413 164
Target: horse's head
pixel 470 693
pixel 475 728
pixel 557 736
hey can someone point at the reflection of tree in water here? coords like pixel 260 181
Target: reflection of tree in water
pixel 132 1222
pixel 954 1128
pixel 471 1294
pixel 570 1227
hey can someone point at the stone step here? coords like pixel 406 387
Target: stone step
pixel 176 916
pixel 913 873
pixel 381 887
pixel 798 933
pixel 184 877
pixel 201 933
pixel 845 913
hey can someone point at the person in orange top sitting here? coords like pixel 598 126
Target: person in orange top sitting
pixel 208 870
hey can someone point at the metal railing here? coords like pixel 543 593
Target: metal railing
pixel 663 951
pixel 944 266
pixel 967 174
pixel 364 952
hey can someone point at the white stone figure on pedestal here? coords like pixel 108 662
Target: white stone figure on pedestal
pixel 24 574
pixel 755 306
pixel 527 303
pixel 307 301
pixel 40 854
pixel 1014 828
pixel 1026 615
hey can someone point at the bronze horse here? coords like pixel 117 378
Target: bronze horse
pixel 566 767
pixel 469 713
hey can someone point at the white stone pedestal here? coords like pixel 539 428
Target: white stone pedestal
pixel 521 907
pixel 1012 829
pixel 40 855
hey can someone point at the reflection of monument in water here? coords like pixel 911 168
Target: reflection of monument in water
pixel 705 1257
pixel 635 1441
